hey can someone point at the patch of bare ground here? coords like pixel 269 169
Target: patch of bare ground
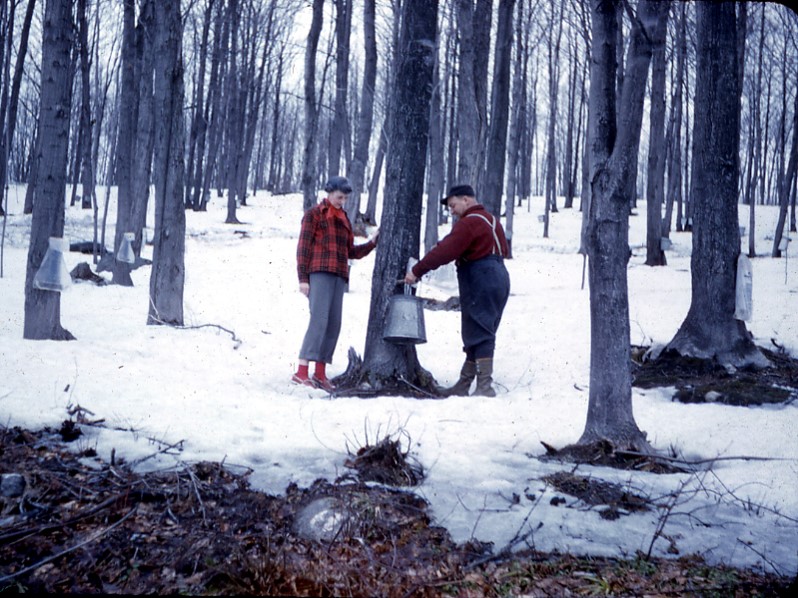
pixel 702 381
pixel 73 524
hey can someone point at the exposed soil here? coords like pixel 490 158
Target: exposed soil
pixel 701 381
pixel 71 523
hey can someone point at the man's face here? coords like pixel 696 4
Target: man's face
pixel 337 198
pixel 457 204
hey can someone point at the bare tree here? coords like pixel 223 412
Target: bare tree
pixel 8 116
pixel 126 133
pixel 365 117
pixel 655 181
pixel 710 330
pixel 168 266
pixel 43 308
pixel 404 190
pixel 500 111
pixel 613 161
pixel 311 108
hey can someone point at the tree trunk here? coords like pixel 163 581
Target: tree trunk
pixel 404 190
pixel 613 161
pixel 86 121
pixel 365 119
pixel 435 155
pixel 235 115
pixel 199 124
pixel 787 183
pixel 43 308
pixel 338 128
pixel 500 111
pixel 168 267
pixel 145 126
pixel 710 330
pixel 468 125
pixel 655 255
pixel 311 110
pixel 126 139
pixel 674 140
pixel 220 37
pixel 13 103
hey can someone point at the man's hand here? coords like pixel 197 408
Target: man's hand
pixel 304 288
pixel 410 278
pixel 375 235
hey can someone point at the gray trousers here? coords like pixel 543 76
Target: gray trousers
pixel 326 300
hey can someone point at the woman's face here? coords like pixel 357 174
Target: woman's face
pixel 337 199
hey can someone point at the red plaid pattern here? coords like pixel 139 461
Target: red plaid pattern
pixel 326 243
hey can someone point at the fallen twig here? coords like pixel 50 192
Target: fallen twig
pixel 58 555
pixel 624 453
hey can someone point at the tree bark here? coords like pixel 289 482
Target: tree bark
pixel 43 308
pixel 365 119
pixel 311 110
pixel 500 111
pixel 710 330
pixel 126 139
pixel 13 103
pixel 655 255
pixel 168 267
pixel 338 127
pixel 613 162
pixel 404 189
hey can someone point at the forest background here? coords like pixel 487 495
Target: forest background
pixel 690 107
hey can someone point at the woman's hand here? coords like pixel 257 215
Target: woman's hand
pixel 410 278
pixel 304 288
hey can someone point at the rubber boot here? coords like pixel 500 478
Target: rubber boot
pixel 485 378
pixel 463 385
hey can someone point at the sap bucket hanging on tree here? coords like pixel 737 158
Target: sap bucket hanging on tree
pixel 404 324
pixel 743 304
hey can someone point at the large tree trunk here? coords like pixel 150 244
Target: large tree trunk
pixel 404 190
pixel 168 267
pixel 43 308
pixel 710 330
pixel 613 162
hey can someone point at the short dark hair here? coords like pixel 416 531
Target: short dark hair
pixel 458 190
pixel 338 183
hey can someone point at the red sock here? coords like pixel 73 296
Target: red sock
pixel 302 371
pixel 320 372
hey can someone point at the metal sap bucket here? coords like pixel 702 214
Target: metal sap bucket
pixel 404 323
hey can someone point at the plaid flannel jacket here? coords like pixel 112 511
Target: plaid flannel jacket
pixel 326 243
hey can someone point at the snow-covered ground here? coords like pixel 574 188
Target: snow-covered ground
pixel 219 398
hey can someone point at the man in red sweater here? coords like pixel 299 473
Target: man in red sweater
pixel 478 247
pixel 326 244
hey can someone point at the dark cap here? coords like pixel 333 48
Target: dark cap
pixel 338 183
pixel 458 190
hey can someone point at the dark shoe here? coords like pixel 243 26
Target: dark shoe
pixel 323 383
pixel 303 380
pixel 485 378
pixel 463 385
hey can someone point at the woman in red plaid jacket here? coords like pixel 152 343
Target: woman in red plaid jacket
pixel 326 244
